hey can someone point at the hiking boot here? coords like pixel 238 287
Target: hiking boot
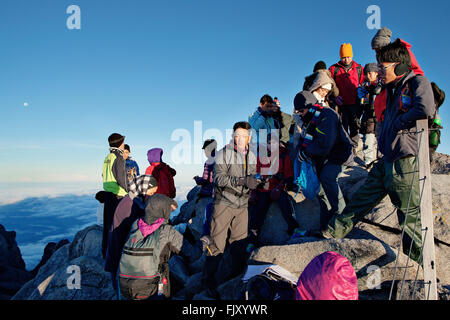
pixel 326 234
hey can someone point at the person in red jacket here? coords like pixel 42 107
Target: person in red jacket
pixel 162 172
pixel 348 75
pixel 277 173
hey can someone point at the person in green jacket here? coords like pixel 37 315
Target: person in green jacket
pixel 115 182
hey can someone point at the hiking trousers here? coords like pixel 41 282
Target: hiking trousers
pixel 397 180
pixel 224 219
pixel 350 115
pixel 331 199
pixel 111 203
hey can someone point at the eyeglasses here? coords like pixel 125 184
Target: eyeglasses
pixel 388 66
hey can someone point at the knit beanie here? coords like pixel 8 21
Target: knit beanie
pixel 381 38
pixel 304 99
pixel 370 67
pixel 115 140
pixel 319 66
pixel 346 50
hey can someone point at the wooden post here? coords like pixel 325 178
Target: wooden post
pixel 426 211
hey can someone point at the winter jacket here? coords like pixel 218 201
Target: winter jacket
pixel 285 122
pixel 347 82
pixel 259 120
pixel 231 165
pixel 164 174
pixel 281 167
pixel 157 215
pixel 132 168
pixel 329 276
pixel 206 181
pixel 114 173
pixel 408 100
pixel 126 213
pixel 330 143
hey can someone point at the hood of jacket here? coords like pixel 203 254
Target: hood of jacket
pixel 158 207
pixel 154 155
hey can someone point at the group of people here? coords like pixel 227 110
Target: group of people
pixel 257 168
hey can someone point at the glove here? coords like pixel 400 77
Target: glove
pixel 339 101
pixel 250 182
pixel 362 92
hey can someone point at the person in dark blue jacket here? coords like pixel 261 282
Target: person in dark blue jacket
pixel 130 165
pixel 324 141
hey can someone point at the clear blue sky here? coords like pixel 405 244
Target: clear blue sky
pixel 147 68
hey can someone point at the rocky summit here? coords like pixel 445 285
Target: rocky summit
pixel 75 271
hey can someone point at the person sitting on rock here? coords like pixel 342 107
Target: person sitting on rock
pixel 144 264
pixel 273 190
pixel 324 141
pixel 129 209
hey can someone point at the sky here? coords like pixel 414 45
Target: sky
pixel 170 74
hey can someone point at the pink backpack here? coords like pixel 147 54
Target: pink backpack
pixel 329 276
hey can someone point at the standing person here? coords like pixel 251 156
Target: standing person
pixel 348 75
pixel 234 177
pixel 284 120
pixel 129 209
pixel 144 264
pixel 409 98
pixel 261 121
pixel 130 165
pixel 325 142
pixel 367 93
pixel 162 172
pixel 115 182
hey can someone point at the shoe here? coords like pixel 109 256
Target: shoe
pixel 326 234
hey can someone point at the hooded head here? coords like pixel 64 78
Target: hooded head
pixel 154 155
pixel 381 38
pixel 158 206
pixel 304 100
pixel 329 276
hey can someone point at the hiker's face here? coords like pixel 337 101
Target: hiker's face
pixel 372 76
pixel 389 74
pixel 303 112
pixel 151 191
pixel 266 106
pixel 172 208
pixel 241 138
pixel 126 154
pixel 346 60
pixel 322 92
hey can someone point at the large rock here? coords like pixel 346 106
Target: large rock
pixel 13 274
pixel 57 279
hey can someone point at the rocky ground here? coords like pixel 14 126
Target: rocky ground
pixel 372 247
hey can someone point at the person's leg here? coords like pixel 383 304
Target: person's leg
pixel 331 196
pixel 362 202
pixel 111 203
pixel 256 215
pixel 207 223
pixel 354 124
pixel 404 192
pixel 287 212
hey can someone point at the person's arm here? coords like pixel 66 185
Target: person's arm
pixel 120 173
pixel 324 137
pixel 221 174
pixel 179 245
pixel 423 105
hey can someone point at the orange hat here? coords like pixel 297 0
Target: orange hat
pixel 346 50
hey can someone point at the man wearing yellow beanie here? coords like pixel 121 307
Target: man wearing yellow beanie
pixel 348 75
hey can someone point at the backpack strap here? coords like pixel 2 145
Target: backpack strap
pixel 336 70
pixel 359 70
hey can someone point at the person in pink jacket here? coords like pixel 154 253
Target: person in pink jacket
pixel 329 276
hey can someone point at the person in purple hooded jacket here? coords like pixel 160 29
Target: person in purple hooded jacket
pixel 162 172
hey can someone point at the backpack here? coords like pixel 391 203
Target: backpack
pixel 434 123
pixel 337 67
pixel 139 269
